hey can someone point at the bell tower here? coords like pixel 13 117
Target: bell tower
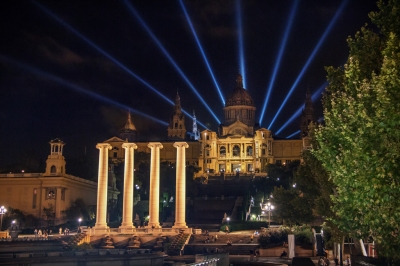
pixel 307 115
pixel 176 127
pixel 55 163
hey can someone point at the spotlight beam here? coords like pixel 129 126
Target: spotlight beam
pixel 107 55
pixel 171 60
pixel 77 88
pixel 294 134
pixel 315 96
pixel 279 57
pixel 202 51
pixel 240 32
pixel 321 40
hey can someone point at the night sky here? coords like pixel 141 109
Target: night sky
pixel 55 84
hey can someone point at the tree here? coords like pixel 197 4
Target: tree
pixel 291 207
pixel 314 183
pixel 359 145
pixel 79 209
pixel 50 214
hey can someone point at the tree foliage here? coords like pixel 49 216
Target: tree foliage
pixel 359 145
pixel 291 207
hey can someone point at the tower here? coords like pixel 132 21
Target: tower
pixel 55 163
pixel 196 133
pixel 176 127
pixel 239 112
pixel 307 115
pixel 129 132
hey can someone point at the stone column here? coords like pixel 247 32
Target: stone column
pixel 127 209
pixel 180 205
pixel 102 187
pixel 154 204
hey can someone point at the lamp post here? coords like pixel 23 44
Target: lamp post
pixel 269 207
pixel 3 210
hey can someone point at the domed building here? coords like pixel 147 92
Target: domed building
pixel 241 146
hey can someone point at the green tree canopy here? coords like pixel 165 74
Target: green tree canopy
pixel 360 142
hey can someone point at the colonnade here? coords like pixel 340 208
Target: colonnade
pixel 128 193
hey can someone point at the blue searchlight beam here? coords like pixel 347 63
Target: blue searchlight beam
pixel 88 41
pixel 202 52
pixel 314 97
pixel 240 37
pixel 171 60
pixel 321 40
pixel 279 57
pixel 77 88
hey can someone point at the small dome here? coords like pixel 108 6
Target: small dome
pixel 240 96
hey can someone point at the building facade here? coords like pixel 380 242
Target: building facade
pixel 32 192
pixel 241 146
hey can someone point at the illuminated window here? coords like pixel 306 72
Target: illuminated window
pixel 249 151
pixel 34 198
pixel 222 151
pixel 236 150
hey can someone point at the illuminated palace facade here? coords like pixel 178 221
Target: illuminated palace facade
pixel 239 147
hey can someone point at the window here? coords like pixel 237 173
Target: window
pixel 53 169
pixel 222 151
pixel 63 194
pixel 249 151
pixel 115 155
pixel 34 198
pixel 236 150
pixel 278 162
pixel 263 151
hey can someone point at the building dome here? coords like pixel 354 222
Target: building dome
pixel 239 96
pixel 239 107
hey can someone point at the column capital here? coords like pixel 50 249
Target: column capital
pixel 129 145
pixel 103 145
pixel 181 144
pixel 155 145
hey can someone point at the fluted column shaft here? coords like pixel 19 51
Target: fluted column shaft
pixel 102 186
pixel 154 204
pixel 127 209
pixel 180 204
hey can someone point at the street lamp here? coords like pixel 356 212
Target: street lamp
pixel 79 221
pixel 269 207
pixel 3 210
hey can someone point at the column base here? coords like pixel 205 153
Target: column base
pixel 126 229
pixel 100 229
pixel 181 225
pixel 156 225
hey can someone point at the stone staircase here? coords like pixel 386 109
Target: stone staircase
pixel 73 241
pixel 178 244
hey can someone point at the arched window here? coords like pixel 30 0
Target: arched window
pixel 236 150
pixel 249 151
pixel 222 151
pixel 53 169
